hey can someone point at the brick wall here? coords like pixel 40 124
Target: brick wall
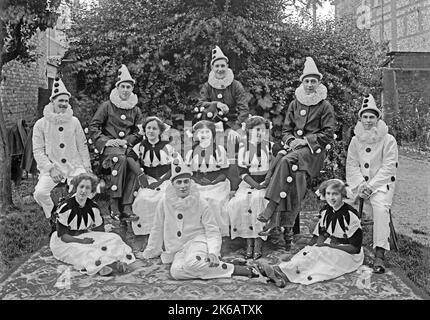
pixel 20 85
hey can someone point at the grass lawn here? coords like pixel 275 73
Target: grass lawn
pixel 26 230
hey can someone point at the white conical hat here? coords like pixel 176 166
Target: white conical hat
pixel 124 75
pixel 58 88
pixel 179 168
pixel 368 104
pixel 217 54
pixel 310 68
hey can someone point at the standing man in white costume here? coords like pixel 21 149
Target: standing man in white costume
pixel 371 168
pixel 59 146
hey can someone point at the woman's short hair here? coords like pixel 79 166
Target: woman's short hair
pixel 336 184
pixel 85 176
pixel 205 124
pixel 160 123
pixel 254 121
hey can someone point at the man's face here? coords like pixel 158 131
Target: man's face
pixel 61 103
pixel 220 68
pixel 310 84
pixel 124 90
pixel 182 186
pixel 369 120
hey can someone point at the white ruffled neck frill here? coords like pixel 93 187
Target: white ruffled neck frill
pixel 311 99
pixel 57 118
pixel 127 104
pixel 182 203
pixel 373 135
pixel 221 83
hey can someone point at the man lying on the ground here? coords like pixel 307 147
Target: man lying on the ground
pixel 187 227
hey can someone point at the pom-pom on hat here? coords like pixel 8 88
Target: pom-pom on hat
pixel 124 76
pixel 179 169
pixel 58 88
pixel 217 54
pixel 369 104
pixel 310 69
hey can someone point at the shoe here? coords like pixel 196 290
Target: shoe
pixel 270 272
pixel 378 266
pixel 129 216
pixel 258 246
pixel 262 218
pixel 105 271
pixel 249 248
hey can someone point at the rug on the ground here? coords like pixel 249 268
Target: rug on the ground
pixel 43 277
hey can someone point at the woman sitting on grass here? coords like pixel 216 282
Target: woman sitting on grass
pixel 81 240
pixel 337 249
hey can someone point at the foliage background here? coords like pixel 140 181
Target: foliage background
pixel 166 46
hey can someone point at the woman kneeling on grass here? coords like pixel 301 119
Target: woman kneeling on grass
pixel 337 243
pixel 81 240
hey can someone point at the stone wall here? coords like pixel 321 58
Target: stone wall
pixel 20 86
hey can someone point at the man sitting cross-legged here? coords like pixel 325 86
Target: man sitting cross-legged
pixel 187 227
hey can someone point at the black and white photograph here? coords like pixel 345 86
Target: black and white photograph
pixel 217 156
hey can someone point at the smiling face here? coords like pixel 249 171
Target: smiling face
pixel 369 120
pixel 83 190
pixel 204 136
pixel 182 186
pixel 333 197
pixel 152 131
pixel 61 103
pixel 220 68
pixel 124 90
pixel 310 84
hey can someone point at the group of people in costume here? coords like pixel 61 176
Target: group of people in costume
pixel 233 181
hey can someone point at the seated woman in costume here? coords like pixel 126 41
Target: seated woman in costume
pixel 150 161
pixel 253 161
pixel 337 249
pixel 81 240
pixel 209 163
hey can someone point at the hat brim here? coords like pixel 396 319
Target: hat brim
pixel 133 82
pixel 189 174
pixel 59 94
pixel 219 58
pixel 374 111
pixel 319 75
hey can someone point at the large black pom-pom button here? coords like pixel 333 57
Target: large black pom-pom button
pixel 393 179
pixel 366 165
pixel 98 262
pixel 224 266
pixel 128 256
pixel 198 258
pixel 139 225
pixel 305 253
pixel 180 216
pixel 60 128
pixel 104 248
pixel 366 178
pixel 56 84
pixel 249 211
pixel 61 145
pixel 56 90
pixel 178 169
pixel 234 229
pixel 57 79
pixel 63 160
pixel 309 278
pixel 158 189
pixel 251 228
pixel 368 149
pixel 179 233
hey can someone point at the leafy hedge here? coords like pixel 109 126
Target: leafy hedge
pixel 167 44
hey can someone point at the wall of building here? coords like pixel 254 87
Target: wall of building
pixel 20 86
pixel 404 23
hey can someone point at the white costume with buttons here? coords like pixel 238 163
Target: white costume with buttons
pixel 189 232
pixel 373 157
pixel 58 141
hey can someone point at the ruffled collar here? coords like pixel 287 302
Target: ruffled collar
pixel 221 83
pixel 57 118
pixel 311 99
pixel 340 217
pixel 116 100
pixel 373 135
pixel 182 203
